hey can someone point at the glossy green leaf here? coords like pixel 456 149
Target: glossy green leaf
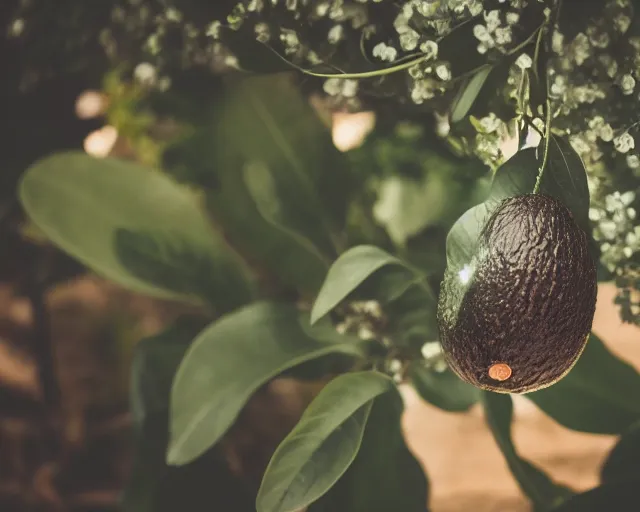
pixel 265 124
pixel 443 389
pixel 127 223
pixel 369 485
pixel 599 395
pixel 623 461
pixel 540 489
pixel 152 485
pixel 463 103
pixel 322 445
pixel 564 178
pixel 619 496
pixel 228 362
pixel 348 272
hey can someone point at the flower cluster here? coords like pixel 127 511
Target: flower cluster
pixel 423 53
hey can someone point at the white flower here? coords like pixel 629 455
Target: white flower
pixel 481 33
pixel 633 161
pixel 385 52
pixel 624 142
pixel 409 40
pixel 492 19
pixel 627 84
pixel 513 18
pixel 557 41
pixel 430 49
pixel 443 72
pixel 524 61
pixel 490 123
pixel 503 35
pixel 335 34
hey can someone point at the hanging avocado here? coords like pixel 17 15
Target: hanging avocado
pixel 517 317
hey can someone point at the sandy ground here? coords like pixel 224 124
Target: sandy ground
pixel 467 471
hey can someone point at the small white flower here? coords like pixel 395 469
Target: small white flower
pixel 385 52
pixel 409 40
pixel 633 161
pixel 605 132
pixel 524 61
pixel 443 72
pixel 503 35
pixel 490 123
pixel 431 349
pixel 213 30
pixel 481 33
pixel 624 143
pixel 621 23
pixel 627 84
pixel 557 41
pixel 492 19
pixel 513 18
pixel 430 49
pixel 335 34
pixel 145 73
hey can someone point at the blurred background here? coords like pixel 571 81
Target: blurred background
pixel 67 336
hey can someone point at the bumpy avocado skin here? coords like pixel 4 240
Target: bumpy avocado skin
pixel 529 302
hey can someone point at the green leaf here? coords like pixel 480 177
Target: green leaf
pixel 540 489
pixel 463 103
pixel 322 445
pixel 152 485
pixel 127 223
pixel 369 485
pixel 154 364
pixel 228 362
pixel 265 123
pixel 618 496
pixel 348 272
pixel 623 461
pixel 443 389
pixel 564 178
pixel 262 187
pixel 599 395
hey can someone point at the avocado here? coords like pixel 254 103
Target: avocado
pixel 516 318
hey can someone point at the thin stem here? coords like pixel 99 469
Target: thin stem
pixel 528 40
pixel 547 133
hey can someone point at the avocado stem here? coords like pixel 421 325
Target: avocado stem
pixel 547 136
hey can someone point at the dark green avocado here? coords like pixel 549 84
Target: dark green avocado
pixel 517 317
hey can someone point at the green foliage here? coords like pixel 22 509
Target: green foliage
pixel 228 362
pixel 154 486
pixel 127 223
pixel 620 496
pixel 346 274
pixel 542 491
pixel 444 389
pixel 274 181
pixel 622 461
pixel 599 394
pixel 468 94
pixel 384 475
pixel 564 178
pixel 286 204
pixel 323 444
